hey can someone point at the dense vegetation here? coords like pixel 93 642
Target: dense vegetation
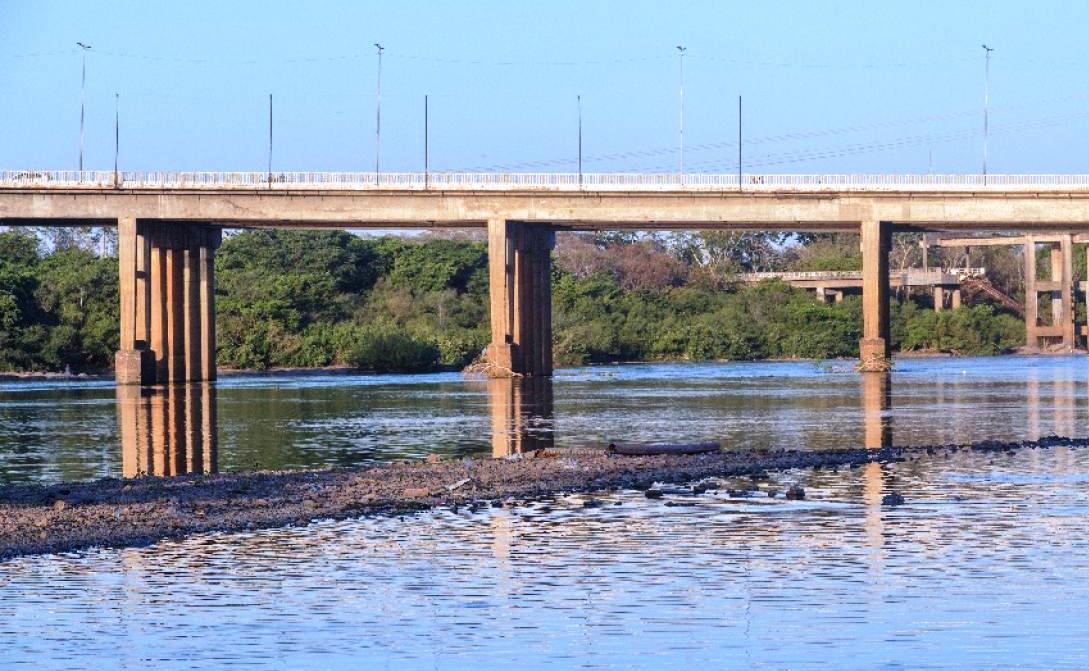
pixel 391 303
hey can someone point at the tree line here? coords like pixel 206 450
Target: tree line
pixel 313 299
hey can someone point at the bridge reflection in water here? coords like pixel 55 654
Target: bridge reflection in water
pixel 521 414
pixel 167 430
pixel 877 409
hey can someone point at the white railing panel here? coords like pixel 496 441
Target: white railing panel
pixel 464 181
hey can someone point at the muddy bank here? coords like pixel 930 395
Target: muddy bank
pixel 116 513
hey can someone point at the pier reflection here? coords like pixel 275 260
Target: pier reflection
pixel 521 414
pixel 876 409
pixel 168 430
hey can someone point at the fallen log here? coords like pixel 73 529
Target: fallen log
pixel 643 449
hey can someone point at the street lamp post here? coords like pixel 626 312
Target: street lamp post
pixel 986 104
pixel 680 53
pixel 427 147
pixel 84 48
pixel 116 137
pixel 378 117
pixel 578 100
pixel 269 173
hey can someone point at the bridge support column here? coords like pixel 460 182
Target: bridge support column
pixel 939 298
pixel 520 273
pixel 167 306
pixel 874 348
pixel 1062 301
pixel 955 300
pixel 1032 296
pixel 1060 288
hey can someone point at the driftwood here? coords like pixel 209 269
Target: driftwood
pixel 640 449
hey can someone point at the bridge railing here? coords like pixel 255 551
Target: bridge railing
pixel 532 181
pixel 916 275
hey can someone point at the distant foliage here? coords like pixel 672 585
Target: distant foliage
pixel 298 299
pixel 56 310
pixel 969 330
pixel 311 299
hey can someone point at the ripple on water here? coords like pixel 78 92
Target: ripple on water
pixel 985 566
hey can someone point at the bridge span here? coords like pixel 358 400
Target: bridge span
pixel 169 227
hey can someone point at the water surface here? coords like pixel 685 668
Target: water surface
pixel 986 567
pixel 54 431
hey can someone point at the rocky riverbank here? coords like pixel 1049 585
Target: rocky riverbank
pixel 116 513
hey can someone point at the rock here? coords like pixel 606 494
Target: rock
pixel 772 493
pixel 416 493
pixel 459 483
pixel 795 493
pixel 310 504
pixel 892 499
pixel 434 458
pixel 654 493
pixel 59 505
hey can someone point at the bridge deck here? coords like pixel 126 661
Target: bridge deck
pixel 1054 203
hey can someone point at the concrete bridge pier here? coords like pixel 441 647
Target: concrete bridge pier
pixel 874 348
pixel 1060 288
pixel 520 272
pixel 167 294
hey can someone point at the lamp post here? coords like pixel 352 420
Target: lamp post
pixel 986 104
pixel 378 117
pixel 116 137
pixel 269 173
pixel 578 100
pixel 84 48
pixel 680 53
pixel 427 147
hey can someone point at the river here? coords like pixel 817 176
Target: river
pixel 984 567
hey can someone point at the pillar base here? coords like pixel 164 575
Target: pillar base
pixel 874 355
pixel 134 366
pixel 500 359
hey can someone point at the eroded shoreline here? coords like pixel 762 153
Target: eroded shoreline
pixel 125 513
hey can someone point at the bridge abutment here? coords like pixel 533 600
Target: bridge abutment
pixel 167 296
pixel 520 286
pixel 874 348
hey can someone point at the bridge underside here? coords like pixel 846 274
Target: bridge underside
pixel 167 241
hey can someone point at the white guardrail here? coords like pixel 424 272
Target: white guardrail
pixel 531 181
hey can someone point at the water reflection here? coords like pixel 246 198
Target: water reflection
pixel 168 430
pixel 521 412
pixel 983 568
pixel 67 431
pixel 876 407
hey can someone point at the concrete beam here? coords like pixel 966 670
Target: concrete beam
pixel 590 210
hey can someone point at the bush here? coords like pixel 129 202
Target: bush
pixel 394 352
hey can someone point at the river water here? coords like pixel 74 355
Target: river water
pixel 986 566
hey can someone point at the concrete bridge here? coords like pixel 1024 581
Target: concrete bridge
pixel 169 227
pixel 831 284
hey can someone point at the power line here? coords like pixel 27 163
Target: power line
pixel 769 139
pixel 787 158
pixel 450 60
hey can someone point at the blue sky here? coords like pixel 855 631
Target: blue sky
pixel 827 86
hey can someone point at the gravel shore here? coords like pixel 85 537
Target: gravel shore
pixel 121 513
